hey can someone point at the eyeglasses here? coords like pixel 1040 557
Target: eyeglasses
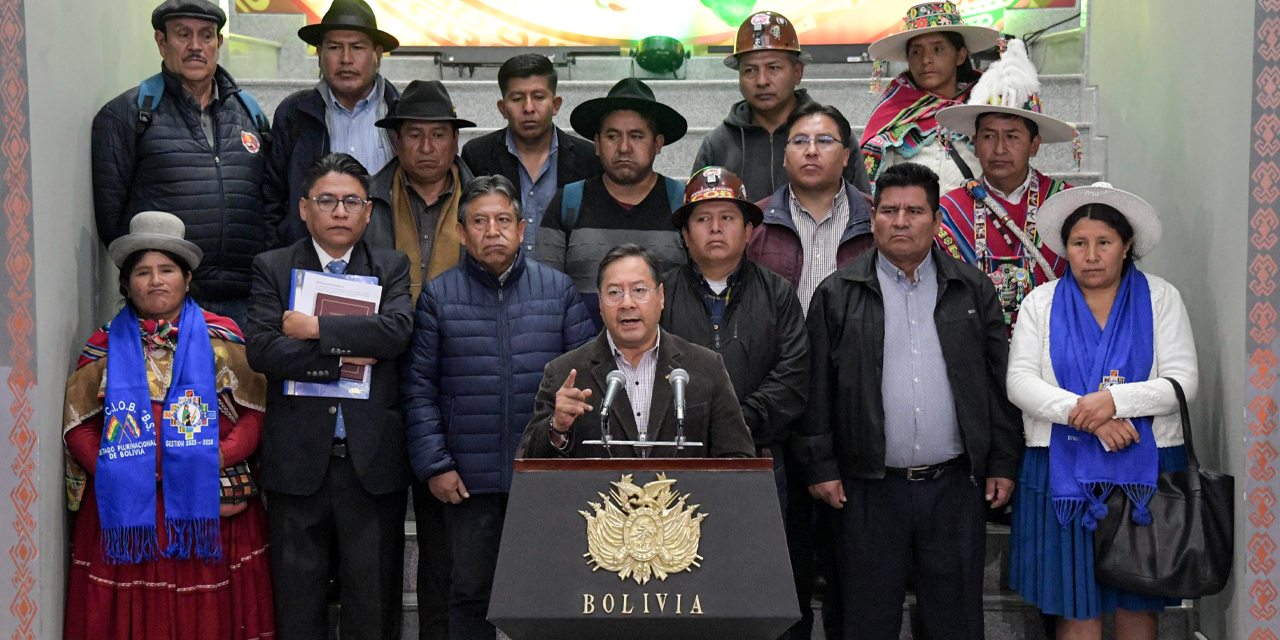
pixel 824 142
pixel 639 295
pixel 329 203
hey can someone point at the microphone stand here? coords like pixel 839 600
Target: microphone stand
pixel 604 440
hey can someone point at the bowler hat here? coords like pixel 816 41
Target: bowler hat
pixel 155 231
pixel 632 95
pixel 426 100
pixel 199 9
pixel 348 15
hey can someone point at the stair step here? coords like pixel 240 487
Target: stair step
pixel 703 103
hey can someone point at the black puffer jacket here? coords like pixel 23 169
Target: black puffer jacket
pixel 170 167
pixel 763 342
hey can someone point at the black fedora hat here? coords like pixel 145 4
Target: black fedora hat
pixel 348 15
pixel 633 95
pixel 426 100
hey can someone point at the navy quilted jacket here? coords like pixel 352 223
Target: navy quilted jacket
pixel 475 364
pixel 217 192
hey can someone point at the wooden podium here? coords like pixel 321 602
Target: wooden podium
pixel 675 548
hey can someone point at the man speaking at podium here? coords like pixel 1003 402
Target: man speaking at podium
pixel 642 405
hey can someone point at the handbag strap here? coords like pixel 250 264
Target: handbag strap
pixel 1193 463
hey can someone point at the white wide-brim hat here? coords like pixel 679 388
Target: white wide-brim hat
pixel 156 231
pixel 1141 215
pixel 932 17
pixel 963 119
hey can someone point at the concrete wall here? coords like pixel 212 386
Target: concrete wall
pixel 80 55
pixel 1175 88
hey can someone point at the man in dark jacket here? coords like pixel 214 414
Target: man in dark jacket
pixel 747 314
pixel 813 224
pixel 194 151
pixel 531 151
pixel 485 330
pixel 633 344
pixel 337 115
pixel 770 64
pixel 415 197
pixel 908 432
pixel 335 471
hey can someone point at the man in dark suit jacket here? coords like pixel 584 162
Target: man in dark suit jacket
pixel 567 406
pixel 333 470
pixel 531 151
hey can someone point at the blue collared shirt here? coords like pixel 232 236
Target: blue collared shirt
pixel 354 131
pixel 920 425
pixel 535 193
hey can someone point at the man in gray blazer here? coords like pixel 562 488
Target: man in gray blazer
pixel 567 407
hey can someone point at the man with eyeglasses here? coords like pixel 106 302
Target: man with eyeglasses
pixel 567 406
pixel 335 471
pixel 812 225
pixel 752 140
pixel 485 330
pixel 908 433
pixel 191 142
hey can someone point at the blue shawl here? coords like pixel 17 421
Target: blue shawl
pixel 126 473
pixel 1088 358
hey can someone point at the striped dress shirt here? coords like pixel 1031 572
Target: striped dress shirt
pixel 639 382
pixel 820 242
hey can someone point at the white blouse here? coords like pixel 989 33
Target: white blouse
pixel 1033 387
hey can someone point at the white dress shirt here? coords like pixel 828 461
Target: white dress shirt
pixel 324 256
pixel 1033 387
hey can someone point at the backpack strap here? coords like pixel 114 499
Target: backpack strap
pixel 571 204
pixel 255 113
pixel 149 94
pixel 675 193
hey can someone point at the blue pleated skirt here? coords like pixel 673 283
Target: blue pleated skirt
pixel 1051 566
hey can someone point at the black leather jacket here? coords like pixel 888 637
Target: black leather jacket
pixel 842 432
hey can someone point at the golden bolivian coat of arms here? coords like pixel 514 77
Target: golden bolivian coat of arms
pixel 642 532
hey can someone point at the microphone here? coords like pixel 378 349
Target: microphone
pixel 615 381
pixel 679 378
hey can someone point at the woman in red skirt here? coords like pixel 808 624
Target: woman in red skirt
pixel 171 587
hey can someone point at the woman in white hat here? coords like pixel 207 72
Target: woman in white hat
pixel 936 44
pixel 1087 363
pixel 161 415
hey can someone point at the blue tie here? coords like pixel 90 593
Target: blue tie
pixel 339 427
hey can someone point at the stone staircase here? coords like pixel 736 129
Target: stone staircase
pixel 703 96
pixel 268 60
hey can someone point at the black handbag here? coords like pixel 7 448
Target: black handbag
pixel 1187 549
